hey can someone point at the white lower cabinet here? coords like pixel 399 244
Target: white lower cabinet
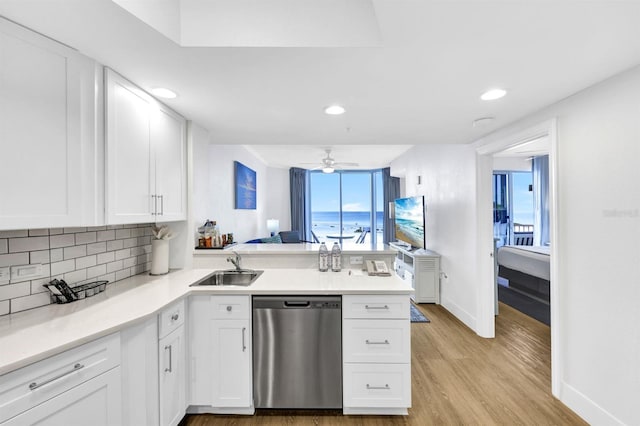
pixel 376 352
pixel 78 387
pixel 220 355
pixel 172 360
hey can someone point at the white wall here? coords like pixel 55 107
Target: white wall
pixel 598 248
pixel 278 203
pixel 449 186
pixel 514 164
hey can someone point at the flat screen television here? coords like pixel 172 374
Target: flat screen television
pixel 409 221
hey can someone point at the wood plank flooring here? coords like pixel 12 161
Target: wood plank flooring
pixel 458 378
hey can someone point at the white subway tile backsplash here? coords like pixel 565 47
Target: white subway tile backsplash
pixel 11 291
pixel 121 254
pixel 57 255
pixel 115 245
pixel 4 307
pixel 58 268
pixel 106 235
pixel 14 234
pixel 130 242
pixel 121 275
pixel 29 302
pixel 123 233
pixel 86 262
pixel 129 262
pixel 76 254
pixel 75 251
pixel 41 256
pixel 17 245
pixel 107 257
pixel 74 230
pixel 75 277
pixel 86 237
pixel 115 266
pixel 14 259
pixel 96 248
pixel 96 271
pixel 62 240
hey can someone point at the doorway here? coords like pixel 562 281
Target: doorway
pixel 485 149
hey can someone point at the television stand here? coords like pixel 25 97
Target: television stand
pixel 421 269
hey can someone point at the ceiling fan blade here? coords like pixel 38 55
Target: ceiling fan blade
pixel 346 164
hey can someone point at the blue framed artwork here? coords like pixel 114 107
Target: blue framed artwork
pixel 245 187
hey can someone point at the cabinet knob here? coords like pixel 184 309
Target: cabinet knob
pixel 229 308
pixel 175 317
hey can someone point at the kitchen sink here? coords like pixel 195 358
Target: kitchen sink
pixel 242 277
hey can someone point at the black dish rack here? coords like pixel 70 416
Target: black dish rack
pixel 61 292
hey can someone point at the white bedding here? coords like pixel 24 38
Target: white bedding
pixel 531 260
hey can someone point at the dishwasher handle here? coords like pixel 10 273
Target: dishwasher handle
pixel 297 304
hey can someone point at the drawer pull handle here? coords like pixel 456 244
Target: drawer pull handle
pixel 376 307
pixel 175 317
pixel 34 385
pixel 369 342
pixel 244 346
pixel 385 387
pixel 170 369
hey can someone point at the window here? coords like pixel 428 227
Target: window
pixel 347 206
pixel 513 208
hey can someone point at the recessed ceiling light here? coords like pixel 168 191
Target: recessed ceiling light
pixel 493 94
pixel 162 92
pixel 334 110
pixel 483 121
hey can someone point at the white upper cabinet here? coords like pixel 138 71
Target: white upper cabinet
pixel 48 141
pixel 146 156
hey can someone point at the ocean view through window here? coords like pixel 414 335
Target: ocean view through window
pixel 347 206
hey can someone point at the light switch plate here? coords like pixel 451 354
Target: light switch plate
pixel 4 275
pixel 355 260
pixel 26 272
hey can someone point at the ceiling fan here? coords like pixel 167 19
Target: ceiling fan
pixel 329 164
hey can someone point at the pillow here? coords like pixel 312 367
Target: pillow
pixel 256 241
pixel 273 240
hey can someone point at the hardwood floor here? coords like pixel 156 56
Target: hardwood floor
pixel 458 378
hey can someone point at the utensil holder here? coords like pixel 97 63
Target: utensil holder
pixel 159 257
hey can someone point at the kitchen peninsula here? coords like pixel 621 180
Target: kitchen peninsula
pixel 153 337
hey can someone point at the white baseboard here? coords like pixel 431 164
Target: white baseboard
pixel 591 412
pixel 464 316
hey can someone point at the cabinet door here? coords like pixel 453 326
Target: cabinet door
pixel 427 280
pixel 95 402
pixel 42 89
pixel 172 378
pixel 168 140
pixel 130 183
pixel 232 366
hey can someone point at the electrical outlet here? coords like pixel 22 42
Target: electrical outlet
pixel 355 260
pixel 4 275
pixel 26 272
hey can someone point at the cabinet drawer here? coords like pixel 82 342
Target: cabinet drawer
pixel 27 387
pixel 230 307
pixel 171 318
pixel 376 306
pixel 376 341
pixel 377 385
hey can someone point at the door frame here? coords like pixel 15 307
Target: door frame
pixel 485 148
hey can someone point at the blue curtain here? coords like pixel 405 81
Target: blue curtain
pixel 390 191
pixel 541 200
pixel 300 215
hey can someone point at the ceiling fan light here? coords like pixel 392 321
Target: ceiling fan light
pixel 327 169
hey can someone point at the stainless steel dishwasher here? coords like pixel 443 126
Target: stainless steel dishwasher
pixel 297 352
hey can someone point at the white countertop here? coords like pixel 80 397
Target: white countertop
pixel 301 248
pixel 30 336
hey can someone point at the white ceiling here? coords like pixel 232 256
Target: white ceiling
pixel 421 87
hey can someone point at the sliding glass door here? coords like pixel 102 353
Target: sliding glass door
pixel 346 206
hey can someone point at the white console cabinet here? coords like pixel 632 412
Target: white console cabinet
pixel 421 269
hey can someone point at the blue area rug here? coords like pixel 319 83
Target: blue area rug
pixel 416 315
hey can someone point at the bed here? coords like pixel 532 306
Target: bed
pixel 527 269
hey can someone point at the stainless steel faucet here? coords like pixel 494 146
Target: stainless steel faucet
pixel 236 261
